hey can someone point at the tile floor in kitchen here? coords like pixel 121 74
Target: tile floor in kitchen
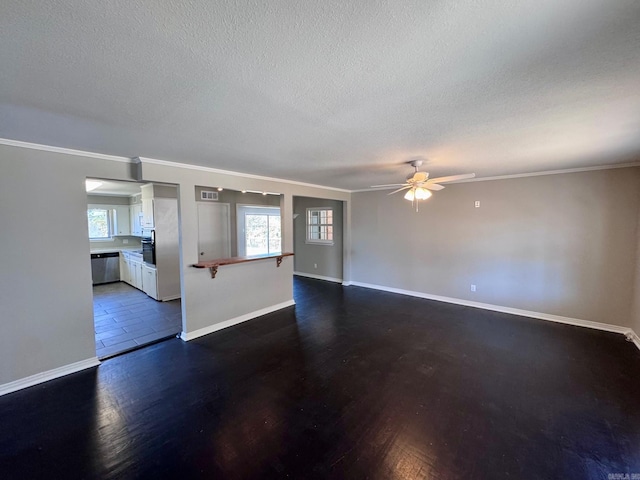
pixel 126 318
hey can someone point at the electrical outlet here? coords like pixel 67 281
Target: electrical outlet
pixel 477 204
pixel 473 288
pixel 315 265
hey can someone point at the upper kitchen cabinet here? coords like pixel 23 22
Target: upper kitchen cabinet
pixel 136 215
pixel 147 212
pixel 121 221
pixel 149 193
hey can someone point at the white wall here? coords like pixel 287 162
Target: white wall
pixel 46 311
pixel 558 244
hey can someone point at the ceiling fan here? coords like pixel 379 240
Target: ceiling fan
pixel 419 184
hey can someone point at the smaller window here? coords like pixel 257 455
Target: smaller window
pixel 320 226
pixel 99 224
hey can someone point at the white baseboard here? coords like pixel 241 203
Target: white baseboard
pixel 187 336
pixel 318 277
pixel 169 298
pixel 514 311
pixel 48 375
pixel 633 337
pixel 347 283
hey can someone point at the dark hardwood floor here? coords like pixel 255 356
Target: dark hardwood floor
pixel 349 383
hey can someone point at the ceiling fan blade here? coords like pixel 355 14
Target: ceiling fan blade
pixel 433 186
pixel 388 185
pixel 452 178
pixel 399 190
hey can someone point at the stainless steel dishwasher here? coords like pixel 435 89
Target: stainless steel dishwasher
pixel 105 267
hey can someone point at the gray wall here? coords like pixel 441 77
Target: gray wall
pixel 108 200
pixel 234 198
pixel 558 244
pixel 635 323
pixel 563 244
pixel 237 290
pixel 46 310
pixel 327 257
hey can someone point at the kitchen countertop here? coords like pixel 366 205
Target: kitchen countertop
pixel 117 249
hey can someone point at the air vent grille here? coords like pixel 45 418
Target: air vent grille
pixel 208 195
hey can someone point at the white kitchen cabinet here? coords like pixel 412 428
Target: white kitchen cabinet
pixel 149 281
pixel 147 212
pixel 136 274
pixel 131 269
pixel 124 269
pixel 135 212
pixel 121 223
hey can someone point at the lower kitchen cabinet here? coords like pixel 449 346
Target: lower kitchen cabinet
pixel 131 269
pixel 149 281
pixel 136 274
pixel 124 269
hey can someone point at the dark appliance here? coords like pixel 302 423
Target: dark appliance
pixel 149 248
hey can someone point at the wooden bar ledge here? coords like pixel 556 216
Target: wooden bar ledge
pixel 213 265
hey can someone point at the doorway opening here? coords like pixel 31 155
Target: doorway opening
pixel 234 223
pixel 133 233
pixel 318 238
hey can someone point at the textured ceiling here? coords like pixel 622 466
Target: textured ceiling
pixel 336 93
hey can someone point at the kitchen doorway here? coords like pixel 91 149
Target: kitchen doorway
pixel 133 233
pixel 318 238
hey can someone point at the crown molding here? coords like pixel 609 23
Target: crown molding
pixel 67 151
pixel 552 172
pixel 168 163
pixel 115 158
pixel 523 175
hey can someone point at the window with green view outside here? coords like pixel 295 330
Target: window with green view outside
pixel 99 224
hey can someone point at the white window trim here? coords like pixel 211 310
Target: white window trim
pixel 309 241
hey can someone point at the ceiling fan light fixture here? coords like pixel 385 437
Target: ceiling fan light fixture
pixel 422 193
pixel 417 193
pixel 419 185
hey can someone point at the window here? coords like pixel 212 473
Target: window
pixel 259 230
pixel 99 224
pixel 320 226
